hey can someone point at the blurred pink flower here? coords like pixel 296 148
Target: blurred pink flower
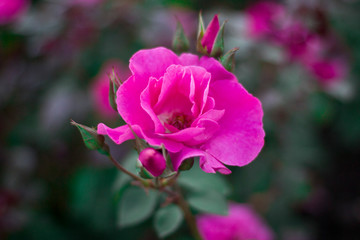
pixel 328 71
pixel 241 223
pixel 194 107
pixel 11 10
pixel 153 161
pixel 210 34
pixel 100 87
pixel 271 21
pixel 263 18
pixel 294 37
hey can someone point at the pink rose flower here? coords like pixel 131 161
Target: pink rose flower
pixel 241 223
pixel 192 106
pixel 100 87
pixel 10 10
pixel 210 34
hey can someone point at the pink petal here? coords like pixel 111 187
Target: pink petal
pixel 128 103
pixel 218 72
pixel 123 133
pixel 151 63
pixel 210 34
pixel 240 136
pixel 148 98
pixel 174 95
pixel 184 135
pixel 210 164
pixel 178 157
pixel 118 135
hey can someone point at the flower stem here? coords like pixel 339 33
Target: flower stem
pixel 189 217
pixel 124 170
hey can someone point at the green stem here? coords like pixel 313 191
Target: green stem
pixel 189 217
pixel 121 168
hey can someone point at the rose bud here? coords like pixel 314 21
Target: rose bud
pixel 153 161
pixel 212 40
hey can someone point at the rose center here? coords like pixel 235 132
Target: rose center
pixel 180 121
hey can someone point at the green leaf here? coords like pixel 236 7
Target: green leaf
pixel 180 42
pixel 209 202
pixel 91 139
pixel 136 206
pixel 197 180
pixel 167 220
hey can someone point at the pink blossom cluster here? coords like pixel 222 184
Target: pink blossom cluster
pixel 241 223
pixel 273 22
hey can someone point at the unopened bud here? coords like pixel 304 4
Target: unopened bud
pixel 153 161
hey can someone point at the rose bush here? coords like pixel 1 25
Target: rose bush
pixel 192 106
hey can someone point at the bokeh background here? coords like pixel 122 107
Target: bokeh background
pixel 54 60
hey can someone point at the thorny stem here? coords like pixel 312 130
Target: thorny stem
pixel 189 217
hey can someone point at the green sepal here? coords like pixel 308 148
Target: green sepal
pixel 114 84
pixel 140 144
pixel 218 46
pixel 167 173
pixel 228 60
pixel 142 171
pixel 180 42
pixel 91 139
pixel 200 35
pixel 187 164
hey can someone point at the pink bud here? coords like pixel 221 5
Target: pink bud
pixel 210 34
pixel 153 161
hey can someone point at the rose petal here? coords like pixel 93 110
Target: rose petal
pixel 218 72
pixel 240 136
pixel 123 133
pixel 118 135
pixel 151 63
pixel 128 103
pixel 210 164
pixel 148 98
pixel 178 157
